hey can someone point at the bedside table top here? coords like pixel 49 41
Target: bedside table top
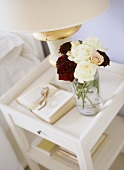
pixel 73 123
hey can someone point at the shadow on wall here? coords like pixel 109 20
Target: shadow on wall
pixel 109 28
pixel 45 48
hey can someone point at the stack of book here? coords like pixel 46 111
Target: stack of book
pixel 61 153
pixel 64 155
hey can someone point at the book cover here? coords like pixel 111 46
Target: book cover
pixel 47 102
pixel 31 98
pixel 57 105
pixel 44 146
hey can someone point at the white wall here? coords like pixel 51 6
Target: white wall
pixel 109 28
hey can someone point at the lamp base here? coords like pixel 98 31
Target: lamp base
pixel 54 49
pixel 55 39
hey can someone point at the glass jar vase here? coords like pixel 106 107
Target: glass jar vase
pixel 87 96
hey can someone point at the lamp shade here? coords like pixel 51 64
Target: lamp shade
pixel 47 15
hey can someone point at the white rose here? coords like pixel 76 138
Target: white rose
pixel 76 52
pixel 96 58
pixel 85 71
pixel 87 51
pixel 80 52
pixel 75 43
pixel 95 43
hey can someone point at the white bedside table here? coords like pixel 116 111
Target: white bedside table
pixel 73 131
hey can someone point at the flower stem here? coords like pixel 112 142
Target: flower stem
pixel 83 89
pixel 91 102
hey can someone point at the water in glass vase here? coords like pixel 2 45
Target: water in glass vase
pixel 87 96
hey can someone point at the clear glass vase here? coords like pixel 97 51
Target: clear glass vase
pixel 87 96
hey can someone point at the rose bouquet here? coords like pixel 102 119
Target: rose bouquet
pixel 79 63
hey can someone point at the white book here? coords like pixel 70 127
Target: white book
pixel 62 153
pixel 56 104
pixel 44 146
pixel 30 98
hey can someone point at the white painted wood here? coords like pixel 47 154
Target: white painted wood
pixel 73 131
pixel 49 162
pixel 84 157
pixel 106 154
pixel 105 116
pixel 48 131
pixel 77 120
pixel 119 68
pixel 102 158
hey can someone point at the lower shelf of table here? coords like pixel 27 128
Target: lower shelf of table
pixel 106 155
pixel 103 157
pixel 118 163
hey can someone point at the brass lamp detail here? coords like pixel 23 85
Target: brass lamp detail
pixel 55 39
pixel 57 34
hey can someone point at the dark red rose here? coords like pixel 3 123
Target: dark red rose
pixel 64 48
pixel 65 68
pixel 106 58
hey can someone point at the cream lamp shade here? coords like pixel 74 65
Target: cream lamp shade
pixel 47 15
